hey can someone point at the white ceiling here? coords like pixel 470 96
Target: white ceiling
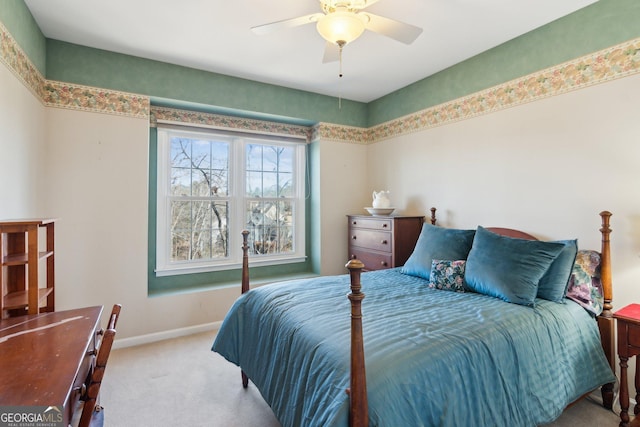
pixel 214 35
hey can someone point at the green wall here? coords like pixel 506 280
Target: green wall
pixel 601 25
pixel 15 15
pixel 93 67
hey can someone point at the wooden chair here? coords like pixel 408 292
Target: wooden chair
pixel 91 410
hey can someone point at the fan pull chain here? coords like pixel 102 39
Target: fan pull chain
pixel 340 57
pixel 340 76
pixel 340 45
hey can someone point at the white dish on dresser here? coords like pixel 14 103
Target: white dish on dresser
pixel 380 211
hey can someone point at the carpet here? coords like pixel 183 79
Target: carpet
pixel 180 382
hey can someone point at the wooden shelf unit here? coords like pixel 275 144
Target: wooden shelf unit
pixel 22 251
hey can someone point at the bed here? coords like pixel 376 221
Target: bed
pixel 433 344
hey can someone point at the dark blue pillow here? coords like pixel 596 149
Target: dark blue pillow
pixel 437 243
pixel 553 285
pixel 508 268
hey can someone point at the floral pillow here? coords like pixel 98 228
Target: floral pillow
pixel 447 275
pixel 585 286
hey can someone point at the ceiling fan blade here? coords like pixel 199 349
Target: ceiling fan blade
pixel 370 2
pixel 287 23
pixel 331 53
pixel 400 31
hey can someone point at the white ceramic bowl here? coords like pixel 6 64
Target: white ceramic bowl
pixel 380 211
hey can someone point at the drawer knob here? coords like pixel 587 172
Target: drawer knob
pixel 384 225
pixel 353 237
pixel 384 242
pixel 81 390
pixel 353 256
pixel 383 263
pixel 354 222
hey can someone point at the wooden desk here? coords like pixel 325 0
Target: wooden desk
pixel 45 358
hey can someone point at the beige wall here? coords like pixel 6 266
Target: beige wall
pixel 22 148
pixel 344 189
pixel 98 187
pixel 547 167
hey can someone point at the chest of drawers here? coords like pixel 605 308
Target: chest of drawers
pixel 384 241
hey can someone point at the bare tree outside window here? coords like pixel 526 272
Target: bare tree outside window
pixel 199 205
pixel 212 184
pixel 269 191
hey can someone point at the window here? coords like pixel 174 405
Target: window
pixel 214 184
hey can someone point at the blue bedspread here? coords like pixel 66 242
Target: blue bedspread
pixel 433 358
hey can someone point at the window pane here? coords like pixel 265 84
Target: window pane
pixel 199 230
pixel 201 154
pixel 254 184
pixel 270 227
pixel 269 171
pixel 180 182
pixel 285 184
pixel 285 159
pixel 254 157
pixel 220 182
pixel 270 184
pixel 199 167
pixel 181 152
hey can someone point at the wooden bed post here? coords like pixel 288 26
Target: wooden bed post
pixel 606 322
pixel 358 406
pixel 433 216
pixel 245 284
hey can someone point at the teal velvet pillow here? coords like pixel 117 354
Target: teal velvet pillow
pixel 554 283
pixel 437 243
pixel 508 268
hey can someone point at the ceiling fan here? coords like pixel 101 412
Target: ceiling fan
pixel 341 22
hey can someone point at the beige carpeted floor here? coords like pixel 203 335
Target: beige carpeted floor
pixel 180 382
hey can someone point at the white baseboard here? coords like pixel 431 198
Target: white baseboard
pixel 164 335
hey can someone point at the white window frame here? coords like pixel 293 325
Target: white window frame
pixel 237 200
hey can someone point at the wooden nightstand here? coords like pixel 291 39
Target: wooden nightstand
pixel 628 320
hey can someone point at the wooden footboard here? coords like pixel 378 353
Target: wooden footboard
pixel 606 322
pixel 358 405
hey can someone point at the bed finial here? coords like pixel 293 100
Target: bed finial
pixel 605 265
pixel 245 261
pixel 245 285
pixel 359 412
pixel 606 322
pixel 433 216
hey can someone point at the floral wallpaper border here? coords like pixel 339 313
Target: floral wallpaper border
pixel 68 95
pixel 228 122
pixel 615 62
pixel 85 98
pixel 18 63
pixel 341 133
pixel 608 64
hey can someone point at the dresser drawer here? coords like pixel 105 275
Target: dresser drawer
pixel 382 242
pixel 377 240
pixel 372 260
pixel 371 223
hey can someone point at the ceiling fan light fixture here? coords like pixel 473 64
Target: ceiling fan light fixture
pixel 340 27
